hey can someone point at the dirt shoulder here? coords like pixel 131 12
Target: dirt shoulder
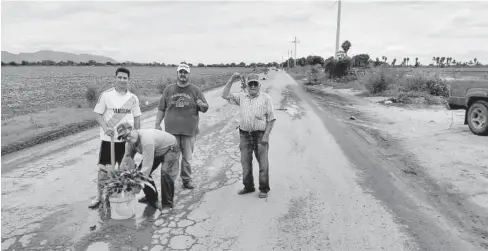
pixel 443 163
pixel 29 130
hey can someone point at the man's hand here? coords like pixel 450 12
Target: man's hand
pixel 236 76
pixel 265 139
pixel 200 103
pixel 109 131
pixel 158 127
pixel 127 163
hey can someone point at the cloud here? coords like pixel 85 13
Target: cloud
pixel 208 31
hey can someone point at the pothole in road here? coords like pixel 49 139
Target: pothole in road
pixel 290 103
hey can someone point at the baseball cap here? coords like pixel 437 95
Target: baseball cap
pixel 123 130
pixel 183 67
pixel 253 77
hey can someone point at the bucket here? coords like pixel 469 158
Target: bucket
pixel 122 207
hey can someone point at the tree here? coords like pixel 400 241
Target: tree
pixel 393 62
pixel 302 61
pixel 360 60
pixel 242 64
pixel 346 45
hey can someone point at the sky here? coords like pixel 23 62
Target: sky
pixel 234 31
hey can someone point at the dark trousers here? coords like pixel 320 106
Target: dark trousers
pixel 251 142
pixel 169 172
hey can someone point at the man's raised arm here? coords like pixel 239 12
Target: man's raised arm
pixel 228 85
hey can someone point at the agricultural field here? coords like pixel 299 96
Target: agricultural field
pixel 40 100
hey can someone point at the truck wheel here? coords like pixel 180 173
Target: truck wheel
pixel 478 117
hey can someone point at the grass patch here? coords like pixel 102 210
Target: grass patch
pixel 406 87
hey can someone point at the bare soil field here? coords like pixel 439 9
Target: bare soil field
pixel 41 103
pixel 446 163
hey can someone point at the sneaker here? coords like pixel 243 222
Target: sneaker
pixel 263 195
pixel 95 203
pixel 246 190
pixel 143 200
pixel 188 185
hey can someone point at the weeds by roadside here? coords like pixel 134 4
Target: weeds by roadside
pixel 404 88
pixel 401 86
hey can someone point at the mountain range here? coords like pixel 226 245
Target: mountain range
pixel 55 56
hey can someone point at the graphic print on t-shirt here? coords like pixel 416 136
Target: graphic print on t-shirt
pixel 116 109
pixel 120 113
pixel 181 99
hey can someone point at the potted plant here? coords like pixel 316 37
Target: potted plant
pixel 119 188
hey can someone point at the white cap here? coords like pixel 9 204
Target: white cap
pixel 183 67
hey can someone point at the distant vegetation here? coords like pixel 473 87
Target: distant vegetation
pixel 155 64
pixel 405 80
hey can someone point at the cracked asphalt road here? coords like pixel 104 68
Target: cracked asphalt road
pixel 316 201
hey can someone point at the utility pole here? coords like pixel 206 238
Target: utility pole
pixel 291 55
pixel 295 42
pixel 288 60
pixel 338 27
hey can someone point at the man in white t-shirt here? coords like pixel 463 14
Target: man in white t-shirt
pixel 115 106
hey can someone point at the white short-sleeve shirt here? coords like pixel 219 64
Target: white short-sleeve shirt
pixel 117 108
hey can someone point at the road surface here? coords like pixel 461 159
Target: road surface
pixel 318 200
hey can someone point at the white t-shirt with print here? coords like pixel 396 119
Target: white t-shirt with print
pixel 117 108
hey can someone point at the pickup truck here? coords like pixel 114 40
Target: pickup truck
pixel 471 96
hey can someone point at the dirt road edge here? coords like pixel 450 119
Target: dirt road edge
pixel 72 129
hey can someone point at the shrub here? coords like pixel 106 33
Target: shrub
pixel 431 84
pixel 377 82
pixel 337 68
pixel 416 97
pixel 315 75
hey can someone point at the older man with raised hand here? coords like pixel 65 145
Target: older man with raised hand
pixel 256 122
pixel 180 105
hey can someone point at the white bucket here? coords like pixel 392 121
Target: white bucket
pixel 122 207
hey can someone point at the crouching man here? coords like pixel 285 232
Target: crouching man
pixel 156 147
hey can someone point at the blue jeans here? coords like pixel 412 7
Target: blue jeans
pixel 186 144
pixel 251 142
